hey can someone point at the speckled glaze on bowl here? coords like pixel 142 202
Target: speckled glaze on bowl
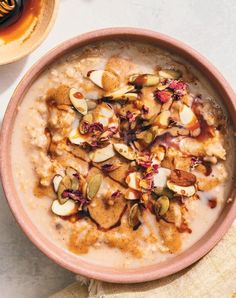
pixel 63 257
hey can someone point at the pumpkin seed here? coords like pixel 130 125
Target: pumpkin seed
pixel 70 172
pixel 134 216
pixel 170 74
pixel 93 186
pixel 162 205
pixel 64 184
pixel 125 151
pixel 56 182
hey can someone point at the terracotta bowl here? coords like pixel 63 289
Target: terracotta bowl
pixel 60 255
pixel 33 36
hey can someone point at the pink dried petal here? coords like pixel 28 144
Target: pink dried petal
pixel 130 116
pixel 145 109
pixel 163 96
pixel 178 85
pixel 155 168
pixel 116 194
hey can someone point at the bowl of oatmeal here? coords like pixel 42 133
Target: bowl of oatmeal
pixel 119 145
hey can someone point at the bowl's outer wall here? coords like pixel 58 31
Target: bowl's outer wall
pixel 64 257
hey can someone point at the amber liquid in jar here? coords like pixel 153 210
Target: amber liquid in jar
pixel 28 17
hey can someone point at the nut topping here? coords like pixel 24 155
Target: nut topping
pixel 182 178
pixel 78 101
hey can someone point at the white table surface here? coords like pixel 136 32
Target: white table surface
pixel 209 26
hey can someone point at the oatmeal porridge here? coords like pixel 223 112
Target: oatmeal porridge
pixel 121 152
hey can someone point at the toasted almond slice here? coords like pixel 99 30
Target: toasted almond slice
pixel 131 195
pixel 182 178
pixel 76 137
pixel 56 182
pixel 78 101
pixel 102 154
pixel 162 119
pixel 191 146
pixel 93 186
pixel 187 191
pixel 125 151
pixel 104 79
pixel 120 93
pixel 145 80
pixel 160 178
pixel 187 116
pixel 170 74
pixel 66 209
pixel 133 180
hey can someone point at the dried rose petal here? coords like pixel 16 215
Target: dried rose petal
pixel 212 203
pixel 145 109
pixel 130 116
pixel 77 175
pixel 177 85
pixel 144 160
pixel 155 168
pixel 116 194
pixel 163 96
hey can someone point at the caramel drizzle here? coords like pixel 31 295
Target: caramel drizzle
pixel 6 6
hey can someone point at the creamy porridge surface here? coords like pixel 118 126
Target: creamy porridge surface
pixel 121 151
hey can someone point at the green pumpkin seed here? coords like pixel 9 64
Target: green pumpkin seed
pixel 93 186
pixel 134 217
pixel 162 205
pixel 64 184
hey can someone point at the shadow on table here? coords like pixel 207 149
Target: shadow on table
pixel 24 269
pixel 10 72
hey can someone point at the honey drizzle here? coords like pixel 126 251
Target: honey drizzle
pixel 30 13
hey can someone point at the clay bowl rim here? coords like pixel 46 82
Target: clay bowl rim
pixel 39 40
pixel 63 257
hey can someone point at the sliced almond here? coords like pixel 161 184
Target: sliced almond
pixel 133 180
pixel 78 101
pixel 144 80
pixel 160 178
pixel 56 182
pixel 187 191
pixel 93 186
pixel 125 151
pixel 170 74
pixel 76 137
pixel 162 119
pixel 131 195
pixel 102 154
pixel 182 178
pixel 187 116
pixel 120 93
pixel 104 79
pixel 67 209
